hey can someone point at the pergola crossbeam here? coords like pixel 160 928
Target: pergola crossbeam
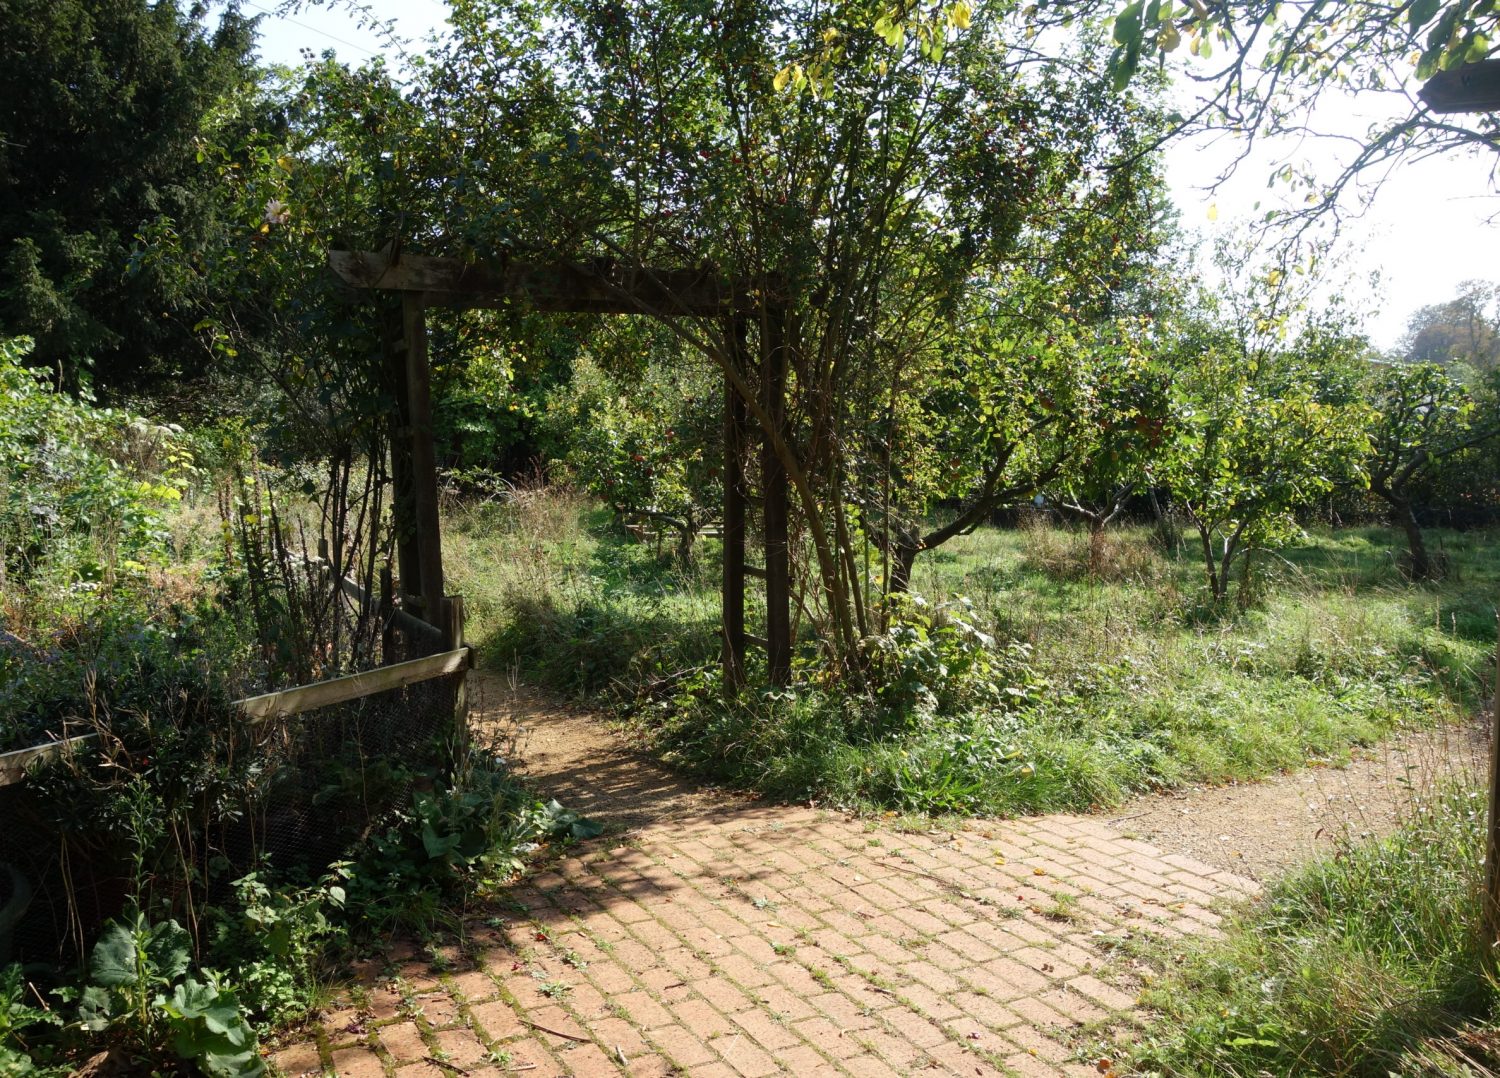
pixel 596 287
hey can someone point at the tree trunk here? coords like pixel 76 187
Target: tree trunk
pixel 1421 562
pixel 903 558
pixel 1211 565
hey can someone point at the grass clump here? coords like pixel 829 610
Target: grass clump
pixel 1370 962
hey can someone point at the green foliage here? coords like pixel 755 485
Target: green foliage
pixel 141 994
pixel 277 939
pixel 100 104
pixel 1050 689
pixel 932 660
pixel 1260 428
pixel 1424 418
pixel 19 1013
pixel 470 833
pixel 653 444
pixel 83 491
pixel 1371 962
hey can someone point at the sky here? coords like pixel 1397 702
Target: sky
pixel 1427 231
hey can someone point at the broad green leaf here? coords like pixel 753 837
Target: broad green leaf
pixel 113 961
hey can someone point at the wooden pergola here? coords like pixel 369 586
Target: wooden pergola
pixel 598 287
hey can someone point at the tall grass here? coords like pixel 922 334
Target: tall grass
pixel 1370 962
pixel 561 598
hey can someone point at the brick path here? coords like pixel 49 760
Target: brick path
pixel 733 937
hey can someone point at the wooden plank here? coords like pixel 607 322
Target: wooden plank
pixel 340 690
pixel 13 765
pixel 409 622
pixel 601 286
pixel 754 570
pixel 424 487
pixel 759 641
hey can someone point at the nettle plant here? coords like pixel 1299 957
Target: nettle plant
pixel 933 660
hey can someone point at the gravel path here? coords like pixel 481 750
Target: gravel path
pixel 1258 829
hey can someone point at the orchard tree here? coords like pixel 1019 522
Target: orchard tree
pixel 995 420
pixel 1423 416
pixel 1126 434
pixel 650 446
pixel 1265 417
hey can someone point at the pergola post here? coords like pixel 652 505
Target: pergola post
pixel 598 287
pixel 735 496
pixel 424 487
pixel 403 508
pixel 774 504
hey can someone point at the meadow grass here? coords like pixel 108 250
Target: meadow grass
pixel 1371 962
pixel 1110 681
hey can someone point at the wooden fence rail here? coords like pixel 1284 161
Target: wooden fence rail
pixel 277 705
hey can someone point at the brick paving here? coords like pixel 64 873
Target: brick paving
pixel 745 938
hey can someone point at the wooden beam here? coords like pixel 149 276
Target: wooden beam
pixel 600 286
pixel 340 690
pixel 1471 87
pixel 424 487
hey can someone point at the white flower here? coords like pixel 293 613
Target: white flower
pixel 277 212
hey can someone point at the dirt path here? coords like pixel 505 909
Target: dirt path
pixel 710 934
pixel 1261 828
pixel 578 759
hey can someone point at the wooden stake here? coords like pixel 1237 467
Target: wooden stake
pixel 387 616
pixel 454 609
